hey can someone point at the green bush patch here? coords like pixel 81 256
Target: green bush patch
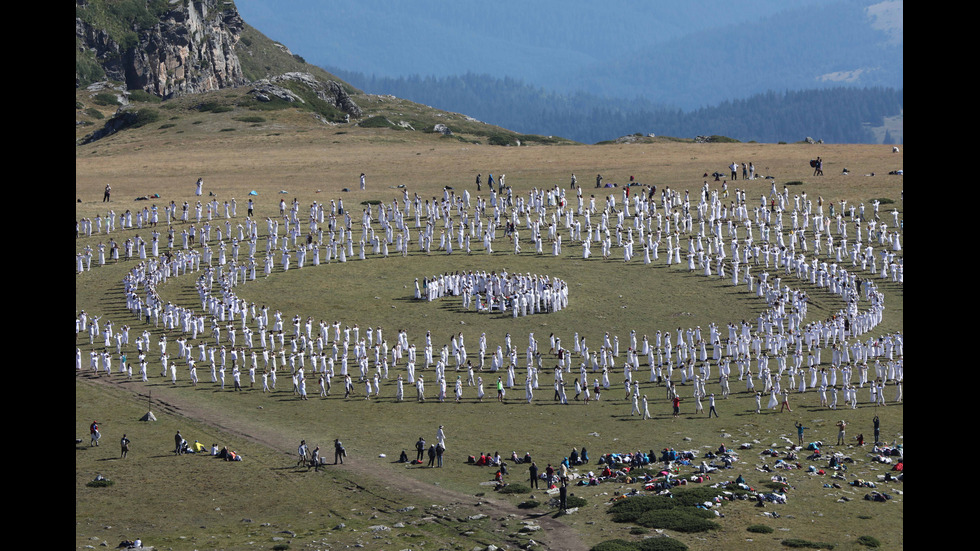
pixel 869 541
pixel 804 544
pixel 144 96
pixel 100 483
pixel 515 489
pixel 760 529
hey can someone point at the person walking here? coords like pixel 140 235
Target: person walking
pixel 711 406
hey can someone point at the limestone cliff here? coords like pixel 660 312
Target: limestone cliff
pixel 168 48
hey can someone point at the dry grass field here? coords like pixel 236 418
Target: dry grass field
pixel 265 502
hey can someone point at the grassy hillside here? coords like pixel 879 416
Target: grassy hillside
pixel 266 501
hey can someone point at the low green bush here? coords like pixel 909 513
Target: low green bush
pixel 804 544
pixel 144 96
pixel 106 98
pixel 660 544
pixel 688 520
pixel 515 489
pixel 760 529
pixel 869 541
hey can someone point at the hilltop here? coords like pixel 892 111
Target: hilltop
pixel 211 70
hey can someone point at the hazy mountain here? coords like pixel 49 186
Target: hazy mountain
pixel 684 54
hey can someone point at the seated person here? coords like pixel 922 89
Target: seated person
pixel 198 447
pixel 514 458
pixel 573 457
pixel 403 458
pixel 527 457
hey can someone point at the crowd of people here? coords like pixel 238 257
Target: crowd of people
pixel 769 248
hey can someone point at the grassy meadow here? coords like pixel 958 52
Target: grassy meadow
pixel 266 502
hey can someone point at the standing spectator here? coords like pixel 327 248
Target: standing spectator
pixel 799 432
pixel 841 428
pixel 533 473
pixel 93 430
pixel 124 445
pixel 339 453
pixel 302 454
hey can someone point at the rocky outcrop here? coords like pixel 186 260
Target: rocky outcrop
pixel 332 92
pixel 189 49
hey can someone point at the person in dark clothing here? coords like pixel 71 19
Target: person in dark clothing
pixel 432 455
pixel 420 449
pixel 533 473
pixel 563 496
pixel 339 453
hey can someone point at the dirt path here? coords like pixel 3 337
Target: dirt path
pixel 554 534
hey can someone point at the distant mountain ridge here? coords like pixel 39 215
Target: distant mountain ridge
pixel 834 115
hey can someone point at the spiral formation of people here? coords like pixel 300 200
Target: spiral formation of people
pixel 771 246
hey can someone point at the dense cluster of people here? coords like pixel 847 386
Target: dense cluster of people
pixel 842 248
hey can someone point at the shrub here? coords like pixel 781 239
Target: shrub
pixel 105 98
pixel 144 117
pixel 575 501
pixel 637 531
pixel 250 118
pixel 686 520
pixel 869 541
pixel 883 200
pixel 498 139
pixel 377 121
pixel 794 183
pixel 214 107
pixel 515 489
pixel 760 529
pixel 167 125
pixel 615 545
pixel 804 544
pixel 94 113
pixel 144 96
pixel 660 544
pixel 101 483
pixel 529 504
